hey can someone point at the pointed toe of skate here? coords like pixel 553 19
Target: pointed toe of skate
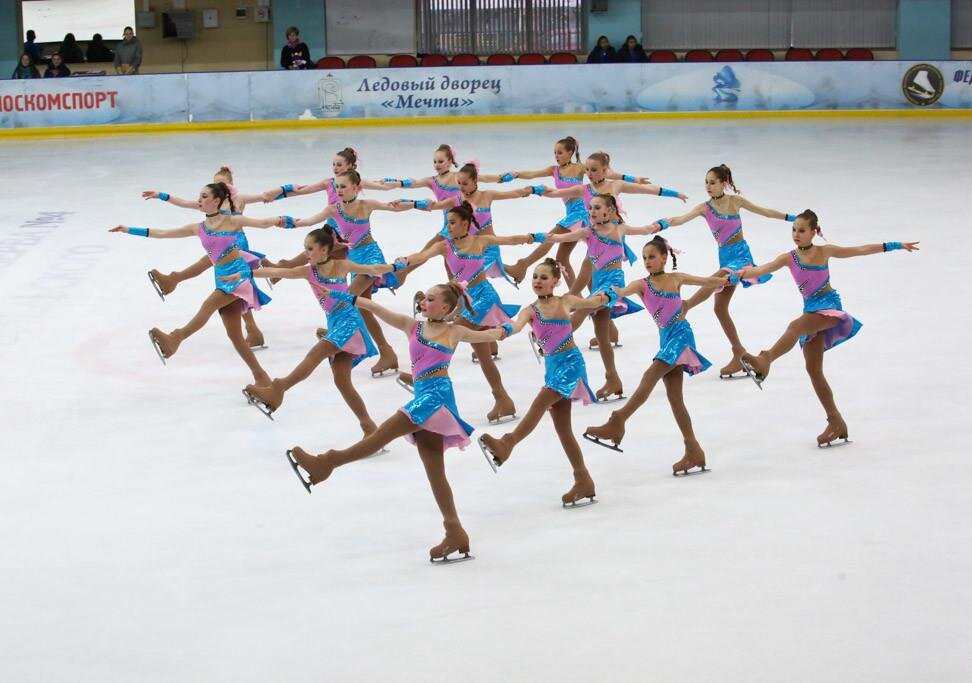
pixel 496 451
pixel 835 434
pixel 155 277
pixel 752 373
pixel 321 333
pixel 256 342
pixel 610 392
pixel 406 382
pixel 517 272
pixel 609 435
pixel 164 344
pixel 256 397
pixel 296 468
pixel 581 495
pixel 384 367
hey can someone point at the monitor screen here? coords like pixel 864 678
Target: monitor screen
pixel 52 19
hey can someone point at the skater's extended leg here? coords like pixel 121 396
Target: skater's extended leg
pixel 168 283
pixel 271 393
pixel 613 429
pixel 694 456
pixel 806 324
pixel 341 366
pixel 501 448
pixel 583 483
pixel 168 344
pixel 231 315
pixel 433 459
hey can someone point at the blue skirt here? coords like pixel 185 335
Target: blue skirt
pixel 737 256
pixel 346 330
pixel 434 409
pixel 488 310
pixel 829 304
pixel 245 288
pixel 566 373
pixel 678 348
pixel 370 255
pixel 576 214
pixel 603 281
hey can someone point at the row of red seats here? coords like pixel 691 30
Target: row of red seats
pixel 794 54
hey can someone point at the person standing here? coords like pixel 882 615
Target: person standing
pixel 295 54
pixel 98 51
pixel 128 54
pixel 33 50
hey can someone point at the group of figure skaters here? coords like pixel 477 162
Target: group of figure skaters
pixel 344 268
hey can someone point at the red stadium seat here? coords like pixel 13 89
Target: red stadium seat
pixel 402 61
pixel 698 56
pixel 829 54
pixel 465 59
pixel 729 56
pixel 860 54
pixel 500 60
pixel 760 55
pixel 434 60
pixel 798 54
pixel 563 58
pixel 362 62
pixel 531 58
pixel 661 56
pixel 330 63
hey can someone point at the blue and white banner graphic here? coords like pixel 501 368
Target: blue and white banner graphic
pixel 458 91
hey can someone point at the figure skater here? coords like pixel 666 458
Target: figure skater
pixel 676 356
pixel 824 323
pixel 430 420
pixel 166 284
pixel 221 237
pixel 565 377
pixel 464 253
pixel 721 212
pixel 352 219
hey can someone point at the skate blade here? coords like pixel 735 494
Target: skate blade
pixel 405 385
pixel 689 472
pixel 156 286
pixel 611 398
pixel 258 404
pixel 604 444
pixel 580 503
pixel 155 345
pixel 502 419
pixel 594 347
pixel 296 468
pixel 269 282
pixel 258 347
pixel 535 347
pixel 451 560
pixel 840 441
pixel 475 358
pixel 383 373
pixel 742 375
pixel 489 456
pixel 751 373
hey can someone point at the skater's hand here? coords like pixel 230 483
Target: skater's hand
pixel 910 246
pixel 232 277
pixel 643 180
pixel 150 194
pixel 268 196
pixel 683 197
pixel 654 228
pixel 119 228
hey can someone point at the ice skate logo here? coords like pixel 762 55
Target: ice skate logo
pixel 329 95
pixel 727 86
pixel 923 85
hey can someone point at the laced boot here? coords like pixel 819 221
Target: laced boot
pixel 836 429
pixel 517 271
pixel 615 338
pixel 254 338
pixel 321 333
pixel 271 395
pixel 760 364
pixel 456 540
pixel 499 449
pixel 318 467
pixel 165 283
pixel 387 361
pixel 612 387
pixel 694 457
pixel 612 430
pixel 583 488
pixel 502 407
pixel 167 344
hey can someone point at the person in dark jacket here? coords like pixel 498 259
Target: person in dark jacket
pixel 33 50
pixel 631 51
pixel 70 51
pixel 602 53
pixel 98 51
pixel 57 68
pixel 295 54
pixel 25 68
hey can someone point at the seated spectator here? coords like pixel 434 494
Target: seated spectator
pixel 602 53
pixel 32 49
pixel 631 51
pixel 70 51
pixel 128 54
pixel 57 68
pixel 98 51
pixel 26 68
pixel 295 54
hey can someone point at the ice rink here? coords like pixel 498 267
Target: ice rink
pixel 152 530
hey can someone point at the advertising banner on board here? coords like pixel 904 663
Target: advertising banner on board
pixel 484 90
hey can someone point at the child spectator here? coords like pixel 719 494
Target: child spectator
pixel 631 51
pixel 295 55
pixel 98 51
pixel 70 51
pixel 128 54
pixel 602 53
pixel 25 68
pixel 57 68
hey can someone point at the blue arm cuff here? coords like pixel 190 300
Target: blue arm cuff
pixel 143 232
pixel 508 328
pixel 507 177
pixel 406 182
pixel 892 246
pixel 539 237
pixel 629 178
pixel 790 217
pixel 397 265
pixel 289 223
pixel 537 189
pixel 164 196
pixel 611 295
pixel 665 225
pixel 421 203
pixel 665 192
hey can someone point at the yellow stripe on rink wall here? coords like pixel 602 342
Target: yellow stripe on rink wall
pixel 286 124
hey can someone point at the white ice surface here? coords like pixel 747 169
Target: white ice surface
pixel 151 529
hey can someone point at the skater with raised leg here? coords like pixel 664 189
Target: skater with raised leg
pixel 565 378
pixel 676 356
pixel 221 237
pixel 721 213
pixel 431 420
pixel 465 254
pixel 347 342
pixel 166 284
pixel 824 323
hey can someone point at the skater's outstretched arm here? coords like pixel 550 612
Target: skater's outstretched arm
pixel 269 222
pixel 271 271
pixel 633 287
pixel 293 190
pixel 577 303
pixel 417 259
pixel 833 251
pixel 712 282
pixel 639 229
pixel 624 187
pixel 493 177
pixel 530 175
pixel 572 236
pixel 679 220
pixel 175 201
pixel 158 233
pixel 762 211
pixel 379 185
pixel 774 265
pixel 522 319
pixel 572 192
pixel 396 206
pixel 519 193
pixel 248 199
pixel 464 334
pixel 508 240
pixel 397 320
pixel 319 217
pixel 640 180
pixel 373 270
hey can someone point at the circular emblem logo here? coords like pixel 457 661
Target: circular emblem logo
pixel 923 85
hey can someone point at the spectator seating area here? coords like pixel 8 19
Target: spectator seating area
pixel 794 54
